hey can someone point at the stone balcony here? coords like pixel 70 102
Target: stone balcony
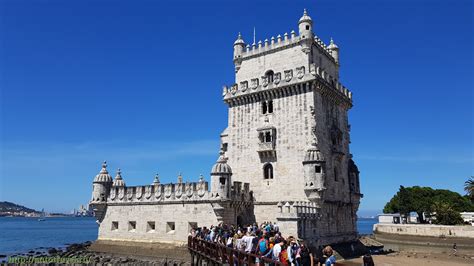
pixel 266 149
pixel 266 146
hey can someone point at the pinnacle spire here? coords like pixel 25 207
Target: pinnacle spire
pixel 104 168
pixel 119 174
pixel 156 181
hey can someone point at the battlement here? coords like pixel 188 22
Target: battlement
pixel 280 43
pixel 189 191
pixel 297 210
pixel 161 192
pixel 241 192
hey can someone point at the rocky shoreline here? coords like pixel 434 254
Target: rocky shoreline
pixel 81 252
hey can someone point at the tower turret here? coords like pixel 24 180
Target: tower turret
pixel 101 185
pixel 118 181
pixel 221 178
pixel 305 26
pixel 334 50
pixel 239 46
pixel 314 166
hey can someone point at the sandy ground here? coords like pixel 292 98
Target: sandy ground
pixel 409 259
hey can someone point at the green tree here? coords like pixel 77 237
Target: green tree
pixel 469 187
pixel 422 200
pixel 446 214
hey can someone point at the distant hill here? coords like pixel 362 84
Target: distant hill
pixel 9 208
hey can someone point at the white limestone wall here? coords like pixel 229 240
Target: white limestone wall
pixel 180 214
pixel 464 231
pixel 276 60
pixel 265 213
pixel 328 113
pixel 291 118
pixel 321 59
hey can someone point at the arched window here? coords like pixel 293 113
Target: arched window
pixel 270 106
pixel 269 76
pixel 268 171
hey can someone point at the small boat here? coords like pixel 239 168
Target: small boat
pixel 42 216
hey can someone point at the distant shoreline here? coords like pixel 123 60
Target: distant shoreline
pixel 38 216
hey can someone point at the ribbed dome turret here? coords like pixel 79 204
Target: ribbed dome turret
pixel 103 175
pixel 332 45
pixel 305 18
pixel 313 154
pixel 118 181
pixel 221 166
pixel 239 40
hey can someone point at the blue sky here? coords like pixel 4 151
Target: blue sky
pixel 139 83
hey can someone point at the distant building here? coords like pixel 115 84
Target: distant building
pixel 284 155
pixel 468 217
pixel 390 218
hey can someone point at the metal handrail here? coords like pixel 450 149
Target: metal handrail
pixel 224 255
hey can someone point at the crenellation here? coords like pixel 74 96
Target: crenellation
pixel 191 191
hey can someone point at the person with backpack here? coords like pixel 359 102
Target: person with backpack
pixel 262 245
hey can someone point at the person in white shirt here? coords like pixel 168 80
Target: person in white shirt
pixel 277 251
pixel 248 242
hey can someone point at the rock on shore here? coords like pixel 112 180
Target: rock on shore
pixel 80 250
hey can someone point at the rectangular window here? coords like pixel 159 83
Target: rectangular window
pixel 170 227
pixel 150 227
pixel 225 146
pixel 132 226
pixel 268 137
pixel 318 169
pixel 115 226
pixel 270 107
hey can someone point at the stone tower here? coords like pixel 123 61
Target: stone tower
pixel 288 134
pixel 284 155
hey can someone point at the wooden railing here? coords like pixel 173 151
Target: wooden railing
pixel 215 253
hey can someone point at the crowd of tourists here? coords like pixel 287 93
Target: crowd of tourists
pixel 265 240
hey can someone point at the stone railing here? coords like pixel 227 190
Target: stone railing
pixel 160 192
pixel 266 146
pixel 281 79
